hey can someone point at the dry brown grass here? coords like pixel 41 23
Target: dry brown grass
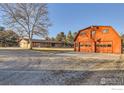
pixel 54 49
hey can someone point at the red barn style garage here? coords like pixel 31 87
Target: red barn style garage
pixel 99 39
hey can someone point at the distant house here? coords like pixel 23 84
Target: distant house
pixel 24 43
pixel 100 39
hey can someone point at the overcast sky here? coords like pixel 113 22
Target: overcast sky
pixel 65 17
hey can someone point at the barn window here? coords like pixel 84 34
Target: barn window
pixel 97 45
pixel 89 45
pixel 101 45
pixel 105 31
pixel 104 45
pixel 93 32
pixel 81 45
pixel 83 33
pixel 109 45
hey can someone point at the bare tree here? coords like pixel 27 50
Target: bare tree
pixel 26 18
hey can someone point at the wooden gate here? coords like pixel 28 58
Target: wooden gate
pixel 104 47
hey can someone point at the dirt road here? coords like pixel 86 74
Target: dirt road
pixel 25 67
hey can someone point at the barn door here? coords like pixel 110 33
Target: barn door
pixel 104 47
pixel 86 46
pixel 79 46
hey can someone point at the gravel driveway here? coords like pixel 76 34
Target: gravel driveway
pixel 26 67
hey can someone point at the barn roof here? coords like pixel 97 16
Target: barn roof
pixel 89 28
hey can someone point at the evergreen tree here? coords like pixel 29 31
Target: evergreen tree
pixel 74 34
pixel 61 37
pixel 2 28
pixel 70 38
pixel 52 38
